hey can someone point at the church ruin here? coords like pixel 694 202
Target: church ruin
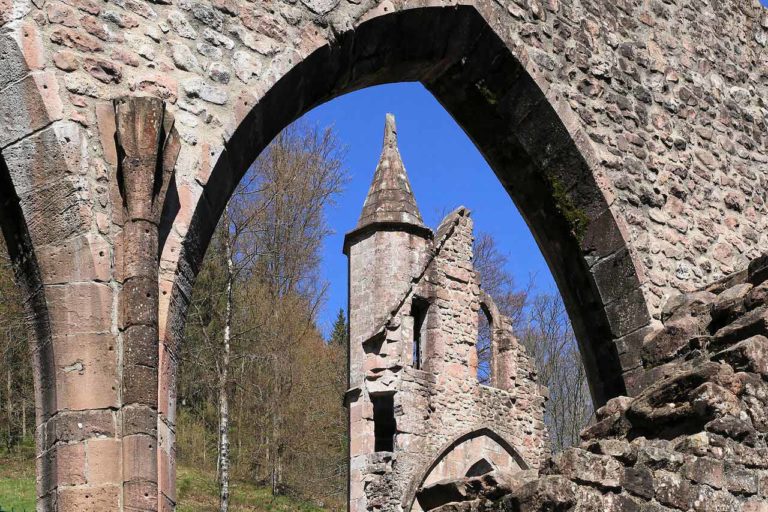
pixel 631 134
pixel 417 413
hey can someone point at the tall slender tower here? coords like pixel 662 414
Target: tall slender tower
pixel 417 412
pixel 385 250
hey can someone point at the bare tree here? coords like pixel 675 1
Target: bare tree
pixel 542 325
pixel 252 320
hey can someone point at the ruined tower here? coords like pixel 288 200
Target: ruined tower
pixel 417 412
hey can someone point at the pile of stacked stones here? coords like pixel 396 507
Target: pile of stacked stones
pixel 694 438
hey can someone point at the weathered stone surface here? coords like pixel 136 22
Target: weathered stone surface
pixel 653 148
pixel 418 289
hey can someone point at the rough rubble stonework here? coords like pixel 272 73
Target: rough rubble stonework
pixel 694 439
pixel 630 133
pixel 413 312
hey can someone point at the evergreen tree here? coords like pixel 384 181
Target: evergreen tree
pixel 340 333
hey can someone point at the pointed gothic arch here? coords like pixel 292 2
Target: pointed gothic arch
pixel 409 497
pixel 531 139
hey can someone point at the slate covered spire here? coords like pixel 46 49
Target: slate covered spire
pixel 390 199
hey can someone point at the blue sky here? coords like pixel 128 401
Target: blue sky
pixel 445 170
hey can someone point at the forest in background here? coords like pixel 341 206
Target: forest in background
pixel 260 396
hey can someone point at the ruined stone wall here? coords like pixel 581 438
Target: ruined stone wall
pixel 631 134
pixel 695 437
pixel 441 405
pixel 668 93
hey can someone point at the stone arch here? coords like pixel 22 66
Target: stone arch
pixel 409 496
pixel 13 228
pixel 532 140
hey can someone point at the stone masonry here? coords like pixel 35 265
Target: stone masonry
pixel 694 439
pixel 631 134
pixel 416 409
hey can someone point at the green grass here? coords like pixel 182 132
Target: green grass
pixel 197 492
pixel 17 484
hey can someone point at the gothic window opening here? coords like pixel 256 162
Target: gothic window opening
pixel 479 468
pixel 384 423
pixel 484 345
pixel 419 309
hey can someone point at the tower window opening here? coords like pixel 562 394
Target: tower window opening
pixel 484 346
pixel 419 309
pixel 384 423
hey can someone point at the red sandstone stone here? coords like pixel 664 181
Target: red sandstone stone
pixel 65 60
pixel 89 499
pixel 104 456
pixel 76 39
pixel 103 70
pixel 70 464
pixel 139 458
pixel 61 14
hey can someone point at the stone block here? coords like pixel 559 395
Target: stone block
pixel 139 419
pixel 104 461
pixel 89 498
pixel 141 346
pixel 638 481
pixel 86 372
pixel 138 302
pixel 79 308
pixel 752 323
pixel 140 458
pixel 140 385
pixel 140 244
pixel 82 425
pixel 140 497
pixel 83 258
pixel 70 464
pixel 28 105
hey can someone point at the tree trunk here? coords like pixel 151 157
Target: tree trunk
pixel 223 379
pixel 23 419
pixel 276 438
pixel 9 409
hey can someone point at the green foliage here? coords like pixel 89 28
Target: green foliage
pixel 17 483
pixel 284 384
pixel 575 216
pixel 17 408
pixel 340 332
pixel 196 488
pixel 197 492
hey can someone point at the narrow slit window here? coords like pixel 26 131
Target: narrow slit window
pixel 419 309
pixel 484 345
pixel 384 424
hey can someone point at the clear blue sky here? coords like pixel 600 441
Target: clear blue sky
pixel 445 169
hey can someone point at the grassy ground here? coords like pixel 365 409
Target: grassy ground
pixel 196 490
pixel 17 485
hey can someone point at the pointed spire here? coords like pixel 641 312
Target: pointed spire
pixel 390 198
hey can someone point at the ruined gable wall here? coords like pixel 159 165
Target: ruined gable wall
pixel 694 439
pixel 443 401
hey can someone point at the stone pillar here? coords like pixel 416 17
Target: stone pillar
pixel 98 438
pixel 147 155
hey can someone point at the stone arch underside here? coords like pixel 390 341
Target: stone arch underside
pixel 451 460
pixel 532 141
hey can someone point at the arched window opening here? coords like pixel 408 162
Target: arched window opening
pixel 419 311
pixel 479 468
pixel 484 346
pixel 385 425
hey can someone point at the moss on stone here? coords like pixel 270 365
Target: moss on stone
pixel 575 216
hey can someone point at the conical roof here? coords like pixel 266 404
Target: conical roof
pixel 390 197
pixel 390 205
